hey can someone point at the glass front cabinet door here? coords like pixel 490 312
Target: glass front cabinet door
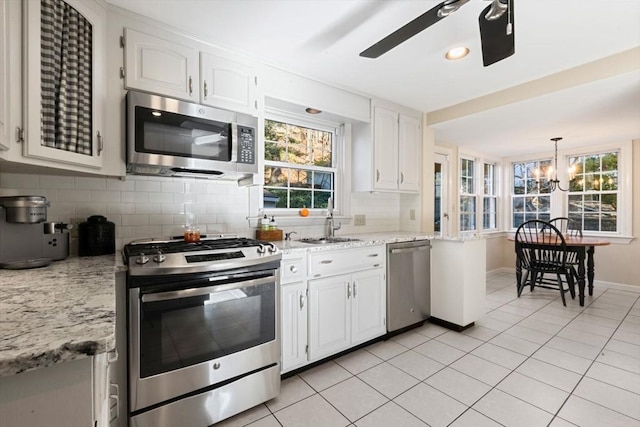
pixel 65 81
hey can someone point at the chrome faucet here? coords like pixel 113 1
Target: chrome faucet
pixel 331 230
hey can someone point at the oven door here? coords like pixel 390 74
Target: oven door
pixel 190 339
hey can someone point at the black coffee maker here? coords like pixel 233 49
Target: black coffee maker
pixel 97 236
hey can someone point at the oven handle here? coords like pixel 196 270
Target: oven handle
pixel 193 292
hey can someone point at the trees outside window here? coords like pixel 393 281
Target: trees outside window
pixel 299 166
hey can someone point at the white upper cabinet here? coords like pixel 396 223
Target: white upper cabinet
pixel 385 145
pixel 4 74
pixel 227 83
pixel 160 66
pixel 64 113
pixel 181 69
pixel 409 153
pixel 387 153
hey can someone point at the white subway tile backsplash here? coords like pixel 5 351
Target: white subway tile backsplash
pixel 143 207
pixel 135 220
pixel 148 186
pixel 172 187
pixel 105 196
pixel 160 197
pixel 157 219
pixel 150 208
pixel 84 183
pixel 74 196
pixel 116 184
pixel 57 182
pixel 18 180
pixel 121 208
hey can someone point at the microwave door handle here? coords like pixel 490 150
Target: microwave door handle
pixel 193 292
pixel 234 142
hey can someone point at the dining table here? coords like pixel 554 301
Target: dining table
pixel 584 247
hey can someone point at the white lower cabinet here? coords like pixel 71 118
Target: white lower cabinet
pixel 294 325
pixel 339 304
pixel 345 311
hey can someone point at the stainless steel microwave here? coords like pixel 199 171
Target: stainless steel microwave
pixel 169 137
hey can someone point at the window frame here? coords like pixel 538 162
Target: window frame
pixel 479 161
pixel 559 199
pixel 341 138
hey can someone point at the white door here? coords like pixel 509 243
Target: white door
pixel 329 316
pixel 441 178
pixel 160 66
pixel 368 305
pixel 228 84
pixel 4 75
pixel 294 325
pixel 385 140
pixel 409 153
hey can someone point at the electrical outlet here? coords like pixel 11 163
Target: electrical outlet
pixel 412 214
pixel 359 219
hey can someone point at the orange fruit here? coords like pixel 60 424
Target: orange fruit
pixel 304 212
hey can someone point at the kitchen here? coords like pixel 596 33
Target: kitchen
pixel 149 206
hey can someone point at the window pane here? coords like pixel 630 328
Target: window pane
pixel 299 146
pixel 323 181
pixel 299 198
pixel 594 191
pixel 321 199
pixel 274 176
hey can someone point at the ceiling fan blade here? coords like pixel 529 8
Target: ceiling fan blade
pixel 496 43
pixel 405 32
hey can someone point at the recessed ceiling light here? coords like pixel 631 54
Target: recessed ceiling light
pixel 312 110
pixel 457 53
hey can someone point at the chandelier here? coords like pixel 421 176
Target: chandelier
pixel 550 174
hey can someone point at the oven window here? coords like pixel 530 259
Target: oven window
pixel 162 132
pixel 186 331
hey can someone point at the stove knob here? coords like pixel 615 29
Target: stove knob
pixel 142 259
pixel 272 248
pixel 159 257
pixel 261 249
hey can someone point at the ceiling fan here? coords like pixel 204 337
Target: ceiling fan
pixel 496 30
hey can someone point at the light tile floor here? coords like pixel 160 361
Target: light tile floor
pixel 529 362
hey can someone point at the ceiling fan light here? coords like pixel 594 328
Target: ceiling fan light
pixel 457 53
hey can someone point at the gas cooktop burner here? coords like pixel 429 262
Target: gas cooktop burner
pixel 175 256
pixel 179 245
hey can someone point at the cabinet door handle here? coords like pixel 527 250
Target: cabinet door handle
pixel 205 89
pixel 190 86
pixel 377 175
pixel 301 301
pixel 401 177
pixel 293 269
pixel 355 290
pixel 100 143
pixel 348 290
pixel 326 261
pixel 376 265
pixel 372 255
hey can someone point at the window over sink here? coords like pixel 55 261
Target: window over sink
pixel 300 168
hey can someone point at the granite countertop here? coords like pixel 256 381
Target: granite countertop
pixel 368 239
pixel 61 312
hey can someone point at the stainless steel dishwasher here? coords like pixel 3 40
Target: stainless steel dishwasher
pixel 409 283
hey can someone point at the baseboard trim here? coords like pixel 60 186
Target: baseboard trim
pixel 614 285
pixel 450 325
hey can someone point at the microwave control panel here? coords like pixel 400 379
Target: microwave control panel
pixel 246 145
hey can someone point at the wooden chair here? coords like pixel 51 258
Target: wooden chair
pixel 541 248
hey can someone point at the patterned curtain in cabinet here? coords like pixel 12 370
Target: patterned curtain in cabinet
pixel 66 52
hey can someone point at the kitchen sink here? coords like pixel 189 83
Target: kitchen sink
pixel 323 240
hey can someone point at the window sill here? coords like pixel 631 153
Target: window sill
pixel 297 220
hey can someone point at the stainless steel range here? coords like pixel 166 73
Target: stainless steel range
pixel 203 329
